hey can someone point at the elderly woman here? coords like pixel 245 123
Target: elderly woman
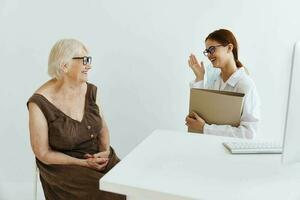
pixel 68 134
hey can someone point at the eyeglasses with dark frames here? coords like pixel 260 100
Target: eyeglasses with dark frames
pixel 210 50
pixel 86 60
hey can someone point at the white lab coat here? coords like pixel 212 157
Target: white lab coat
pixel 242 83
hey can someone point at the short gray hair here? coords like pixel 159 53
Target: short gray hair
pixel 62 53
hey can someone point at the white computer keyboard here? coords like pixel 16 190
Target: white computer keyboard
pixel 253 147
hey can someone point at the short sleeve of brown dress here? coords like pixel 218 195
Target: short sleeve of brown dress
pixel 74 138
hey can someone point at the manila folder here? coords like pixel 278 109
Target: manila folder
pixel 217 107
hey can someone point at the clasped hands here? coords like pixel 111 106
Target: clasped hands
pixel 97 161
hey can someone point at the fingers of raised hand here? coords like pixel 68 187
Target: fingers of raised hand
pixel 193 59
pixel 190 63
pixel 202 64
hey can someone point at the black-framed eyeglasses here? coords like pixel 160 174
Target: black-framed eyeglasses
pixel 86 60
pixel 210 50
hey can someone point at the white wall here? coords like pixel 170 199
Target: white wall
pixel 140 50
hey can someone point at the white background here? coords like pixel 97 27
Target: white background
pixel 140 50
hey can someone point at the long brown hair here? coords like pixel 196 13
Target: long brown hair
pixel 226 37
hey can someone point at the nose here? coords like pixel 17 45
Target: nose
pixel 88 66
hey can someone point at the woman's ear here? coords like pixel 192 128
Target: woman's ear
pixel 65 67
pixel 230 47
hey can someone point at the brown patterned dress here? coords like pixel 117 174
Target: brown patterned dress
pixel 74 138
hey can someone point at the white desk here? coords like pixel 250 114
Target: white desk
pixel 170 165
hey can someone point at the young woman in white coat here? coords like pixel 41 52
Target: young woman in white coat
pixel 222 51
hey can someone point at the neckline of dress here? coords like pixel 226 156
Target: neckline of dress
pixel 59 110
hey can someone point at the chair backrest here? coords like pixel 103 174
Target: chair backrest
pixel 35 185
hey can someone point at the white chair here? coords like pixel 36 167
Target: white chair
pixel 36 177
